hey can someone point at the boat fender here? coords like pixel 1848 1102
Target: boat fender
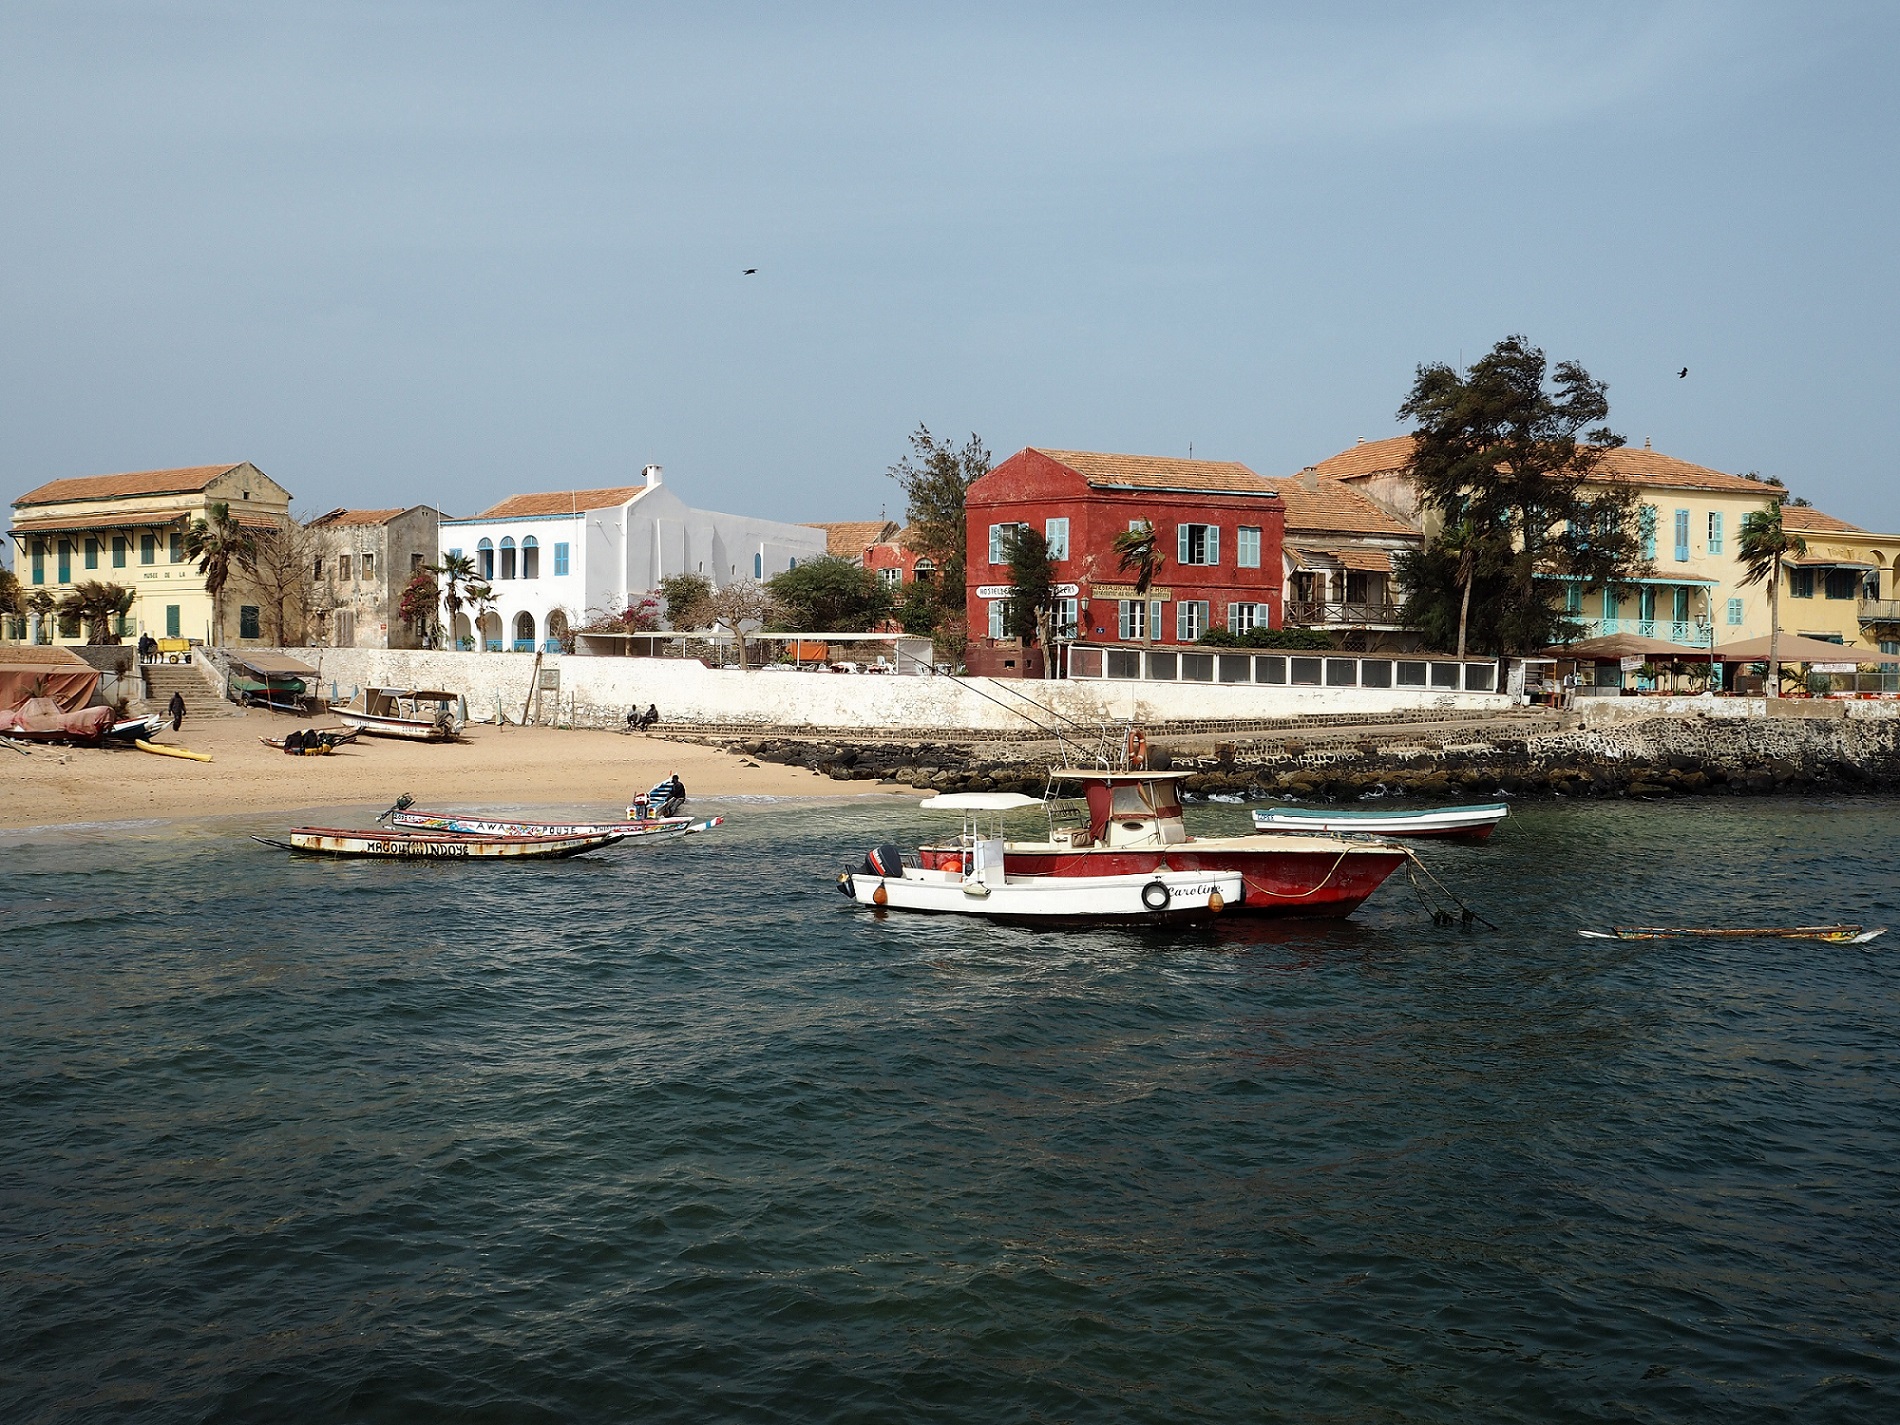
pixel 1216 902
pixel 885 860
pixel 844 884
pixel 1156 895
pixel 976 889
pixel 880 896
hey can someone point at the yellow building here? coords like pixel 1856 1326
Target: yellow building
pixel 130 530
pixel 1841 589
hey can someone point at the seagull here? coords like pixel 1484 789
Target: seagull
pixel 750 270
pixel 1682 373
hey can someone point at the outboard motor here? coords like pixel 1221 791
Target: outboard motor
pixel 885 860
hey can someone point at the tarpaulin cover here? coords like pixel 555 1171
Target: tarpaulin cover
pixel 53 673
pixel 43 717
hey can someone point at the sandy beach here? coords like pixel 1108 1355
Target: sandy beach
pixel 489 767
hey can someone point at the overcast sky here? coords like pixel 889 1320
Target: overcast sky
pixel 397 253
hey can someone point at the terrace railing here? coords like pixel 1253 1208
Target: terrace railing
pixel 1880 610
pixel 1690 633
pixel 1306 613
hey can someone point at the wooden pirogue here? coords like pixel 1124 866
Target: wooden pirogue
pixel 439 845
pixel 1827 934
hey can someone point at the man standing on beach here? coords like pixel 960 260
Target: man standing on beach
pixel 176 711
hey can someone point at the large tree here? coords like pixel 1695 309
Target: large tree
pixel 829 595
pixel 281 574
pixel 934 478
pixel 1763 545
pixel 744 607
pixel 222 547
pixel 1508 455
pixel 688 600
pixel 97 607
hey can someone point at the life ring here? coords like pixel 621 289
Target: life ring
pixel 1137 749
pixel 1156 895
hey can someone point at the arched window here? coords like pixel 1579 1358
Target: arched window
pixel 925 571
pixel 507 558
pixel 485 560
pixel 758 566
pixel 524 633
pixel 530 558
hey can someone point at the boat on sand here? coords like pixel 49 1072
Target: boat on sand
pixel 414 714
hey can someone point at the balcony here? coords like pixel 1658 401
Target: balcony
pixel 1302 613
pixel 1690 634
pixel 1880 610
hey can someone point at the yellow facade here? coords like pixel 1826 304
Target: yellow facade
pixel 130 530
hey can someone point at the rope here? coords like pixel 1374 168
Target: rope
pixel 1314 890
pixel 1414 870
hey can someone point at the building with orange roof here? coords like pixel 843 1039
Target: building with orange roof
pixel 360 561
pixel 129 529
pixel 556 559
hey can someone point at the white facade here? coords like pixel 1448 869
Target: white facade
pixel 550 569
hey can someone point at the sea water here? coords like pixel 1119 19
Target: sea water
pixel 674 1132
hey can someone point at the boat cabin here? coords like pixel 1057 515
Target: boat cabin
pixel 1124 809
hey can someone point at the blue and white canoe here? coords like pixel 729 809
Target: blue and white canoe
pixel 655 828
pixel 1473 823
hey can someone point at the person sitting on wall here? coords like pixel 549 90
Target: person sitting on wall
pixel 634 718
pixel 650 716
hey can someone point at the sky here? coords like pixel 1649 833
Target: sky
pixel 402 253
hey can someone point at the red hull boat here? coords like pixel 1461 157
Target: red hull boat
pixel 1127 823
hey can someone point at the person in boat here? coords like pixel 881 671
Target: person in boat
pixel 175 710
pixel 668 797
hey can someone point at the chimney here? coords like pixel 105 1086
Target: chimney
pixel 1309 478
pixel 651 475
pixel 1360 441
pixel 1645 442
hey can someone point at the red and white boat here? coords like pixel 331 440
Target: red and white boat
pixel 1126 823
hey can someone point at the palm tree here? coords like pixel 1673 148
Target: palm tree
pixel 457 573
pixel 1762 547
pixel 221 546
pixel 481 602
pixel 1138 552
pixel 1461 540
pixel 97 605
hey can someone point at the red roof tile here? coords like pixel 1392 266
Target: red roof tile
pixel 1159 472
pixel 848 539
pixel 343 517
pixel 1805 519
pixel 1650 467
pixel 185 481
pixel 560 502
pixel 1335 508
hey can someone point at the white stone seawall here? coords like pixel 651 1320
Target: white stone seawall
pixel 597 692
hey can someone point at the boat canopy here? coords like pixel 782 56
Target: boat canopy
pixel 978 801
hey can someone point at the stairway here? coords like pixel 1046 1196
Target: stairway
pixel 201 699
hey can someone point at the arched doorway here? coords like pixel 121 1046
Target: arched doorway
pixel 524 633
pixel 557 631
pixel 464 632
pixel 491 632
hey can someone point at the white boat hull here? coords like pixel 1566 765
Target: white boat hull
pixel 1052 900
pixel 491 826
pixel 408 728
pixel 1472 822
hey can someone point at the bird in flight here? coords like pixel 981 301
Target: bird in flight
pixel 1682 373
pixel 750 270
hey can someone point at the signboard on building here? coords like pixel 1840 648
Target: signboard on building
pixel 1003 591
pixel 1832 667
pixel 1127 591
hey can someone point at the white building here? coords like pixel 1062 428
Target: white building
pixel 555 560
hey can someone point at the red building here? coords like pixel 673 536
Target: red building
pixel 1219 528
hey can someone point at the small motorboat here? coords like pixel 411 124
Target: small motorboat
pixel 135 728
pixel 1472 823
pixel 975 882
pixel 415 714
pixel 405 845
pixel 668 828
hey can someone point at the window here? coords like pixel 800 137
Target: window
pixel 369 567
pixel 1734 613
pixel 1646 526
pixel 531 558
pixel 1236 668
pixel 248 626
pixel 148 549
pixel 1190 619
pixel 1612 606
pixel 171 620
pixel 924 571
pixel 1197 544
pixel 485 559
pixel 1573 598
pixel 1134 619
pixel 560 560
pixel 1646 603
pixel 1843 583
pixel 890 578
pixel 1057 533
pixel 1800 583
pixel 1680 609
pixel 1197 667
pixel 1247 547
pixel 1715 531
pixel 507 557
pixel 343 567
pixel 1682 536
pixel 92 554
pixel 1245 618
pixel 455 554
pixel 1342 673
pixel 996 618
pixel 758 565
pixel 415 562
pixel 118 551
pixel 316 570
pixel 792 563
pixel 65 561
pixel 177 550
pixel 1000 535
pixel 39 562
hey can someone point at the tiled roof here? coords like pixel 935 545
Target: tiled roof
pixel 1807 520
pixel 560 502
pixel 1159 472
pixel 848 539
pixel 342 517
pixel 1334 508
pixel 185 481
pixel 1650 467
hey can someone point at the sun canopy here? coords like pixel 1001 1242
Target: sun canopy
pixel 1626 645
pixel 978 801
pixel 1793 648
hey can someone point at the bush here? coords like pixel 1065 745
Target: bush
pixel 1266 638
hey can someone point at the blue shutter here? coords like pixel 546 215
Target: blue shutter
pixel 1682 536
pixel 1180 544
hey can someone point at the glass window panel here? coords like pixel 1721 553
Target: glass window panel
pixel 1481 677
pixel 1161 667
pixel 1124 663
pixel 1342 672
pixel 1306 672
pixel 1410 674
pixel 1375 673
pixel 1197 667
pixel 1444 675
pixel 1270 668
pixel 1235 668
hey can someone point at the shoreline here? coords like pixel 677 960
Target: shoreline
pixel 67 788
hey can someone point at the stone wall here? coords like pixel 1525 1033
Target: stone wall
pixel 597 692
